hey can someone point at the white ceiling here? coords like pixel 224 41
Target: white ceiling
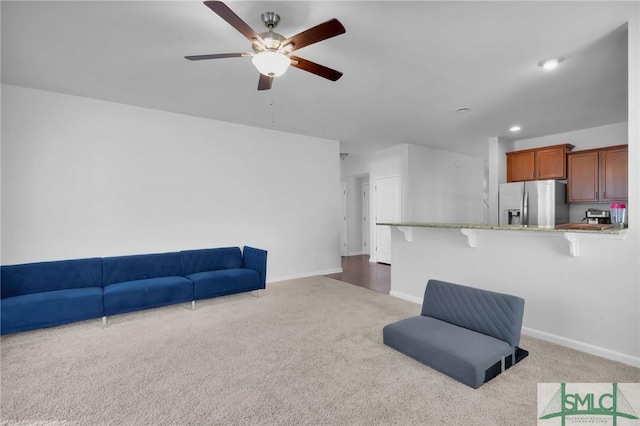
pixel 407 65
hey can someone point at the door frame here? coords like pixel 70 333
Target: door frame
pixel 344 230
pixel 366 214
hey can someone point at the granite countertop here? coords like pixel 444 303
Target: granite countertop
pixel 501 227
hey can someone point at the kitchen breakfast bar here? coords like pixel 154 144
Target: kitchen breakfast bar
pixel 575 286
pixel 572 235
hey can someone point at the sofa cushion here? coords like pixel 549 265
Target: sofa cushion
pixel 28 278
pixel 145 294
pixel 494 314
pixel 140 267
pixel 219 283
pixel 215 259
pixel 460 353
pixel 51 308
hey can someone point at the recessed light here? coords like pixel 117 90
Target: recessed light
pixel 463 109
pixel 515 128
pixel 549 64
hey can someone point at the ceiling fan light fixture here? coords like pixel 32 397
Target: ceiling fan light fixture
pixel 271 64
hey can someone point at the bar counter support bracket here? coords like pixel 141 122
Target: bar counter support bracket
pixel 574 239
pixel 574 243
pixel 407 231
pixel 471 235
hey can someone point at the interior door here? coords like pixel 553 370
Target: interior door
pixel 388 209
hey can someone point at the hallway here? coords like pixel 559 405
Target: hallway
pixel 359 271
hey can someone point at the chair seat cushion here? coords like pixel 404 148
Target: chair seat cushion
pixel 460 353
pixel 227 281
pixel 145 294
pixel 50 308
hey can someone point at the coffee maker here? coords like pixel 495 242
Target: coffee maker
pixel 596 216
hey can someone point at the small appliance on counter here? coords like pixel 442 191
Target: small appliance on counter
pixel 618 212
pixel 595 216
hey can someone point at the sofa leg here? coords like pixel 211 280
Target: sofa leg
pixel 259 293
pixel 104 321
pixel 193 305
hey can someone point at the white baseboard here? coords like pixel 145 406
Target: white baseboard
pixel 406 297
pixel 355 253
pixel 304 275
pixel 583 347
pixel 558 340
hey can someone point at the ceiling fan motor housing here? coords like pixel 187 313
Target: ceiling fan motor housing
pixel 272 40
pixel 270 19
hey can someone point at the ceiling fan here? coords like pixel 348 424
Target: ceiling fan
pixel 271 51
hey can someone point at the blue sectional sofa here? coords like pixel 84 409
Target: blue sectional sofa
pixel 46 294
pixel 145 281
pixel 469 334
pixel 218 272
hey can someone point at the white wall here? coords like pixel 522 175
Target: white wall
pixel 595 137
pixel 384 163
pixel 497 174
pixel 591 302
pixel 437 185
pixel 444 186
pixel 83 177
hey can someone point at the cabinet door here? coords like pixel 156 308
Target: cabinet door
pixel 551 163
pixel 520 166
pixel 582 182
pixel 614 179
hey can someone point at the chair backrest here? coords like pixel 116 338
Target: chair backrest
pixel 214 259
pixel 29 278
pixel 495 314
pixel 140 266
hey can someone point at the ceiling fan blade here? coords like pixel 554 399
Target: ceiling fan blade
pixel 320 32
pixel 234 20
pixel 314 68
pixel 265 82
pixel 217 56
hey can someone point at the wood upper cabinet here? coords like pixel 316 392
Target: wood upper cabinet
pixel 549 162
pixel 582 182
pixel 520 166
pixel 614 174
pixel 598 175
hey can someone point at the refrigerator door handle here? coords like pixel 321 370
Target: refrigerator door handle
pixel 525 207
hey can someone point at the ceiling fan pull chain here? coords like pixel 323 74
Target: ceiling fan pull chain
pixel 273 118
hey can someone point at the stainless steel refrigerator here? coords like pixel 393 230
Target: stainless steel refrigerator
pixel 541 203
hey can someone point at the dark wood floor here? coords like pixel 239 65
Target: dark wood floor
pixel 359 271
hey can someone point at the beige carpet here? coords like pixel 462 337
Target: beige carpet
pixel 308 352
